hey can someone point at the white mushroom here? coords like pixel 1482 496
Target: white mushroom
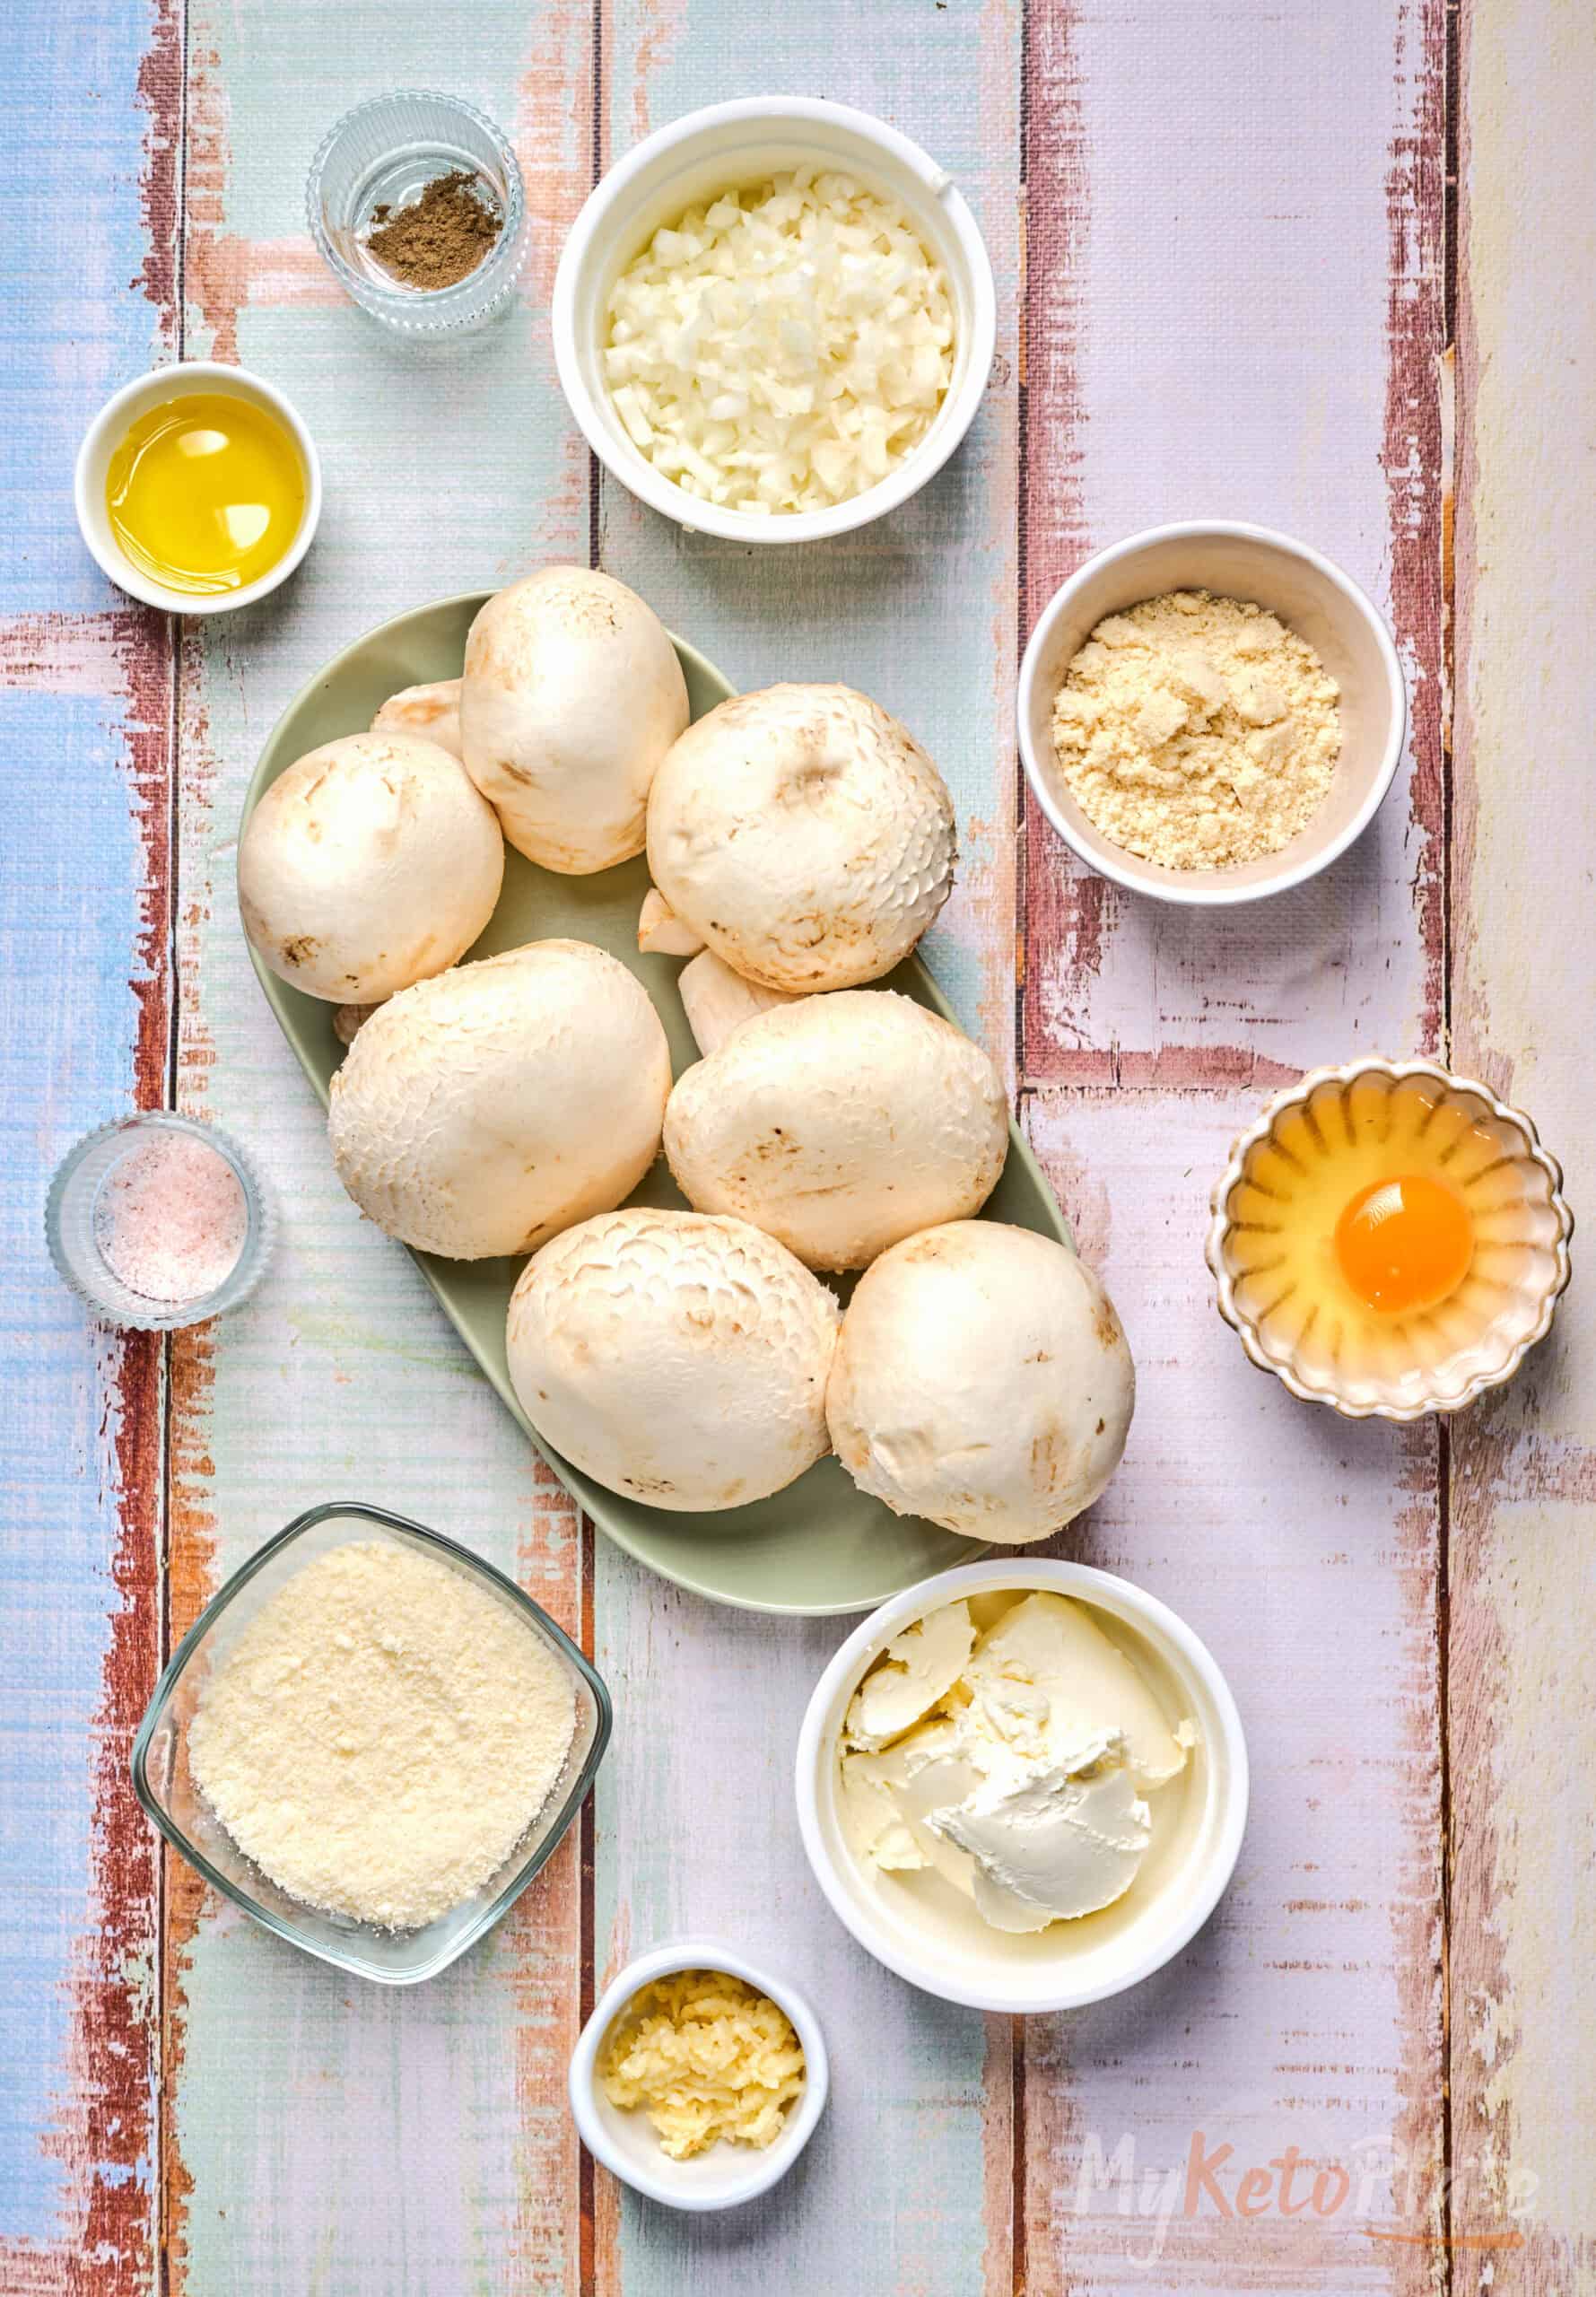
pixel 717 1001
pixel 432 711
pixel 571 695
pixel 369 864
pixel 804 834
pixel 660 932
pixel 679 1359
pixel 982 1381
pixel 841 1124
pixel 483 1112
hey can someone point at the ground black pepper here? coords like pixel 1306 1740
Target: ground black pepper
pixel 440 237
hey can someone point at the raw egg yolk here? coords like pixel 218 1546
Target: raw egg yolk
pixel 1405 1244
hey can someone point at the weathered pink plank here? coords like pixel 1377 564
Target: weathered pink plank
pixel 1307 2013
pixel 1064 908
pixel 1206 309
pixel 1200 338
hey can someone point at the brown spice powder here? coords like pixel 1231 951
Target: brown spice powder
pixel 440 237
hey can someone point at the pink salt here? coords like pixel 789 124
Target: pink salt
pixel 171 1219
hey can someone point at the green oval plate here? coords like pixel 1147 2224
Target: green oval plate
pixel 819 1547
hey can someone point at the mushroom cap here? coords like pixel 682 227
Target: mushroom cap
pixel 371 863
pixel 571 695
pixel 483 1112
pixel 804 834
pixel 680 1359
pixel 982 1381
pixel 840 1125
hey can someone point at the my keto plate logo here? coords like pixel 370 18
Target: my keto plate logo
pixel 1374 2191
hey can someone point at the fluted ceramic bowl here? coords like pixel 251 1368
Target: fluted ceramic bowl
pixel 1286 1307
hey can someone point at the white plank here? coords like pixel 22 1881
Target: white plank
pixel 1523 1742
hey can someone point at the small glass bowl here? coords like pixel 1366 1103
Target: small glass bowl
pixel 161 1777
pixel 69 1226
pixel 384 152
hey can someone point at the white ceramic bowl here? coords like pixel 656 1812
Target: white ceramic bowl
pixel 1317 600
pixel 625 2140
pixel 105 435
pixel 738 144
pixel 1071 1963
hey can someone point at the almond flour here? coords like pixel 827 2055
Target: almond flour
pixel 381 1735
pixel 1197 732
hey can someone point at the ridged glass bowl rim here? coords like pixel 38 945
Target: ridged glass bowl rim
pixel 437 310
pixel 1398 1072
pixel 234 1585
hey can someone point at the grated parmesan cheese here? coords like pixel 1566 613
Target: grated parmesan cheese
pixel 781 347
pixel 706 2056
pixel 381 1734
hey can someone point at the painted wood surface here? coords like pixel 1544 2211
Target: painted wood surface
pixel 1522 1471
pixel 1228 275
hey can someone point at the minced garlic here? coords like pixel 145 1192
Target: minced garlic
pixel 1197 732
pixel 706 2056
pixel 381 1734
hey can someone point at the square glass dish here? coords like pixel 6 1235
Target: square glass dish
pixel 161 1772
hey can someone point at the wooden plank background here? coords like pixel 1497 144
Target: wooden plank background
pixel 1327 269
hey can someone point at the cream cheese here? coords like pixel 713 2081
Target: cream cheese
pixel 1014 1763
pixel 918 1669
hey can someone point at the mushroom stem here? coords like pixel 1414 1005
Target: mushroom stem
pixel 717 1001
pixel 661 933
pixel 432 711
pixel 349 1021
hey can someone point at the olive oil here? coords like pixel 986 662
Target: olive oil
pixel 206 491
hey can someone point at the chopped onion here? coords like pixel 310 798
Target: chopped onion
pixel 781 347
